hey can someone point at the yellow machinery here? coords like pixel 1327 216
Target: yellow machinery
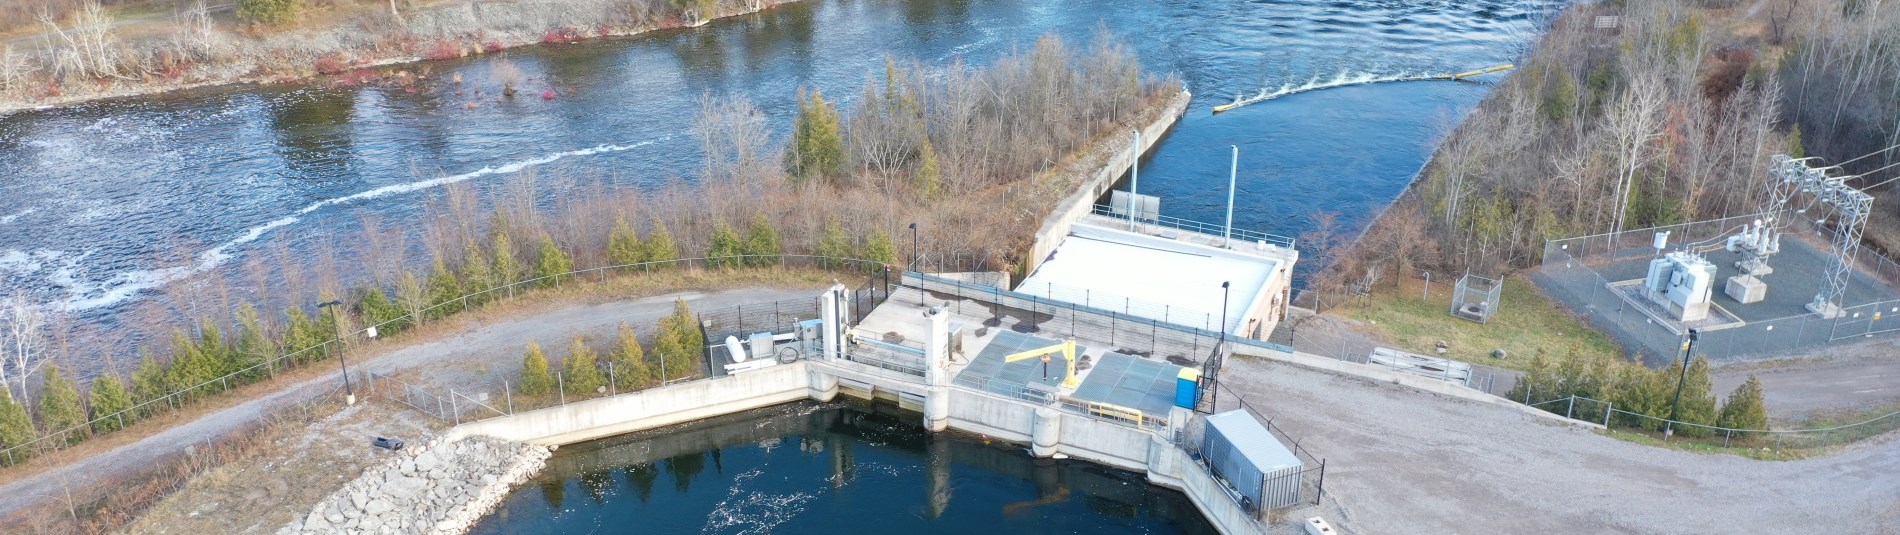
pixel 1066 348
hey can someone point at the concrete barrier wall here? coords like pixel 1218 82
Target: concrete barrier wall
pixel 646 409
pixel 1376 373
pixel 997 417
pixel 1105 443
pixel 1082 201
pixel 1211 497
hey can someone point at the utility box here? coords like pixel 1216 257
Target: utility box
pixel 1260 469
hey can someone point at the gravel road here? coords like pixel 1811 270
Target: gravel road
pixel 1404 461
pixel 499 343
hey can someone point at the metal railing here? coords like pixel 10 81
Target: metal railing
pixel 270 367
pixel 1147 223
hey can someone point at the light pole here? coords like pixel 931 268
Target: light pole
pixel 914 257
pixel 336 320
pixel 1688 348
pixel 1213 362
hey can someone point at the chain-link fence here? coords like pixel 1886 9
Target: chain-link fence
pixel 1606 414
pixel 1578 272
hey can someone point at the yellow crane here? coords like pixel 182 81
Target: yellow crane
pixel 1066 348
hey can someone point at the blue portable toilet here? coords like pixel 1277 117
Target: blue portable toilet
pixel 1187 388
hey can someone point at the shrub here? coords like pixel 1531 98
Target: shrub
pixel 761 242
pixel 580 373
pixel 680 343
pixel 149 383
pixel 444 49
pixel 878 248
pixel 659 245
pixel 534 372
pixel 833 244
pixel 16 427
pixel 60 408
pixel 506 269
pixel 550 263
pixel 1743 409
pixel 726 248
pixel 109 397
pixel 623 245
pixel 630 368
pixel 268 12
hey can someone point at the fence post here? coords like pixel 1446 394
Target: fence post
pixel 1572 408
pixel 1606 415
pixel 454 407
pixel 1322 482
pixel 1726 435
pixel 612 389
pixel 509 393
pixel 561 385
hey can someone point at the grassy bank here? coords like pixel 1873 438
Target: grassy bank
pixel 1527 324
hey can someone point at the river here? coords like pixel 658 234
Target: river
pixel 103 204
pixel 830 468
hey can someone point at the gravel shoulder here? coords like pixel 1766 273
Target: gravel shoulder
pixel 1404 461
pixel 497 344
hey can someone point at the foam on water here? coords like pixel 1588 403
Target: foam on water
pixel 123 286
pixel 8 219
pixel 748 512
pixel 1343 79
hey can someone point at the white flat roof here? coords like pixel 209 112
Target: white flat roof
pixel 1153 277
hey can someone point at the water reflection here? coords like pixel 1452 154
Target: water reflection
pixel 830 469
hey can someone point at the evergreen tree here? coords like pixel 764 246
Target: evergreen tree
pixel 1795 148
pixel 1744 409
pixel 834 245
pixel 761 242
pixel 581 373
pixel 16 427
pixel 1643 391
pixel 534 372
pixel 630 370
pixel 108 398
pixel 300 335
pixel 268 12
pixel 60 406
pixel 623 245
pixel 477 272
pixel 252 347
pixel 505 268
pixel 550 263
pixel 444 291
pixel 216 353
pixel 189 369
pixel 377 309
pixel 726 247
pixel 816 149
pixel 149 383
pixel 878 248
pixel 1698 400
pixel 680 343
pixel 926 179
pixel 659 246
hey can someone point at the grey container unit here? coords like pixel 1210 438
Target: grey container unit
pixel 1259 467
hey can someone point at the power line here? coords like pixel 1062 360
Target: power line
pixel 1864 156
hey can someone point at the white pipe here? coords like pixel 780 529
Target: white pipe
pixel 1233 174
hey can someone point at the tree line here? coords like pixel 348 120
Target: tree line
pixel 1668 116
pixel 626 365
pixel 473 242
pixel 1644 397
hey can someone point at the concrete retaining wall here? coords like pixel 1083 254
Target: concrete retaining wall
pixel 1082 201
pixel 1105 443
pixel 647 409
pixel 1376 373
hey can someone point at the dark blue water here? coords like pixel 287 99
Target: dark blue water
pixel 104 204
pixel 807 468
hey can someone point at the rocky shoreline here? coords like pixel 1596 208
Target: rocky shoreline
pixel 443 487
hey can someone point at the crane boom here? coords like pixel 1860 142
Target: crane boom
pixel 1066 348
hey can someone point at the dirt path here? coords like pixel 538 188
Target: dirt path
pixel 1853 378
pixel 1403 461
pixel 498 343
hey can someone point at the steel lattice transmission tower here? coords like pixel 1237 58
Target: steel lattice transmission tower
pixel 1849 206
